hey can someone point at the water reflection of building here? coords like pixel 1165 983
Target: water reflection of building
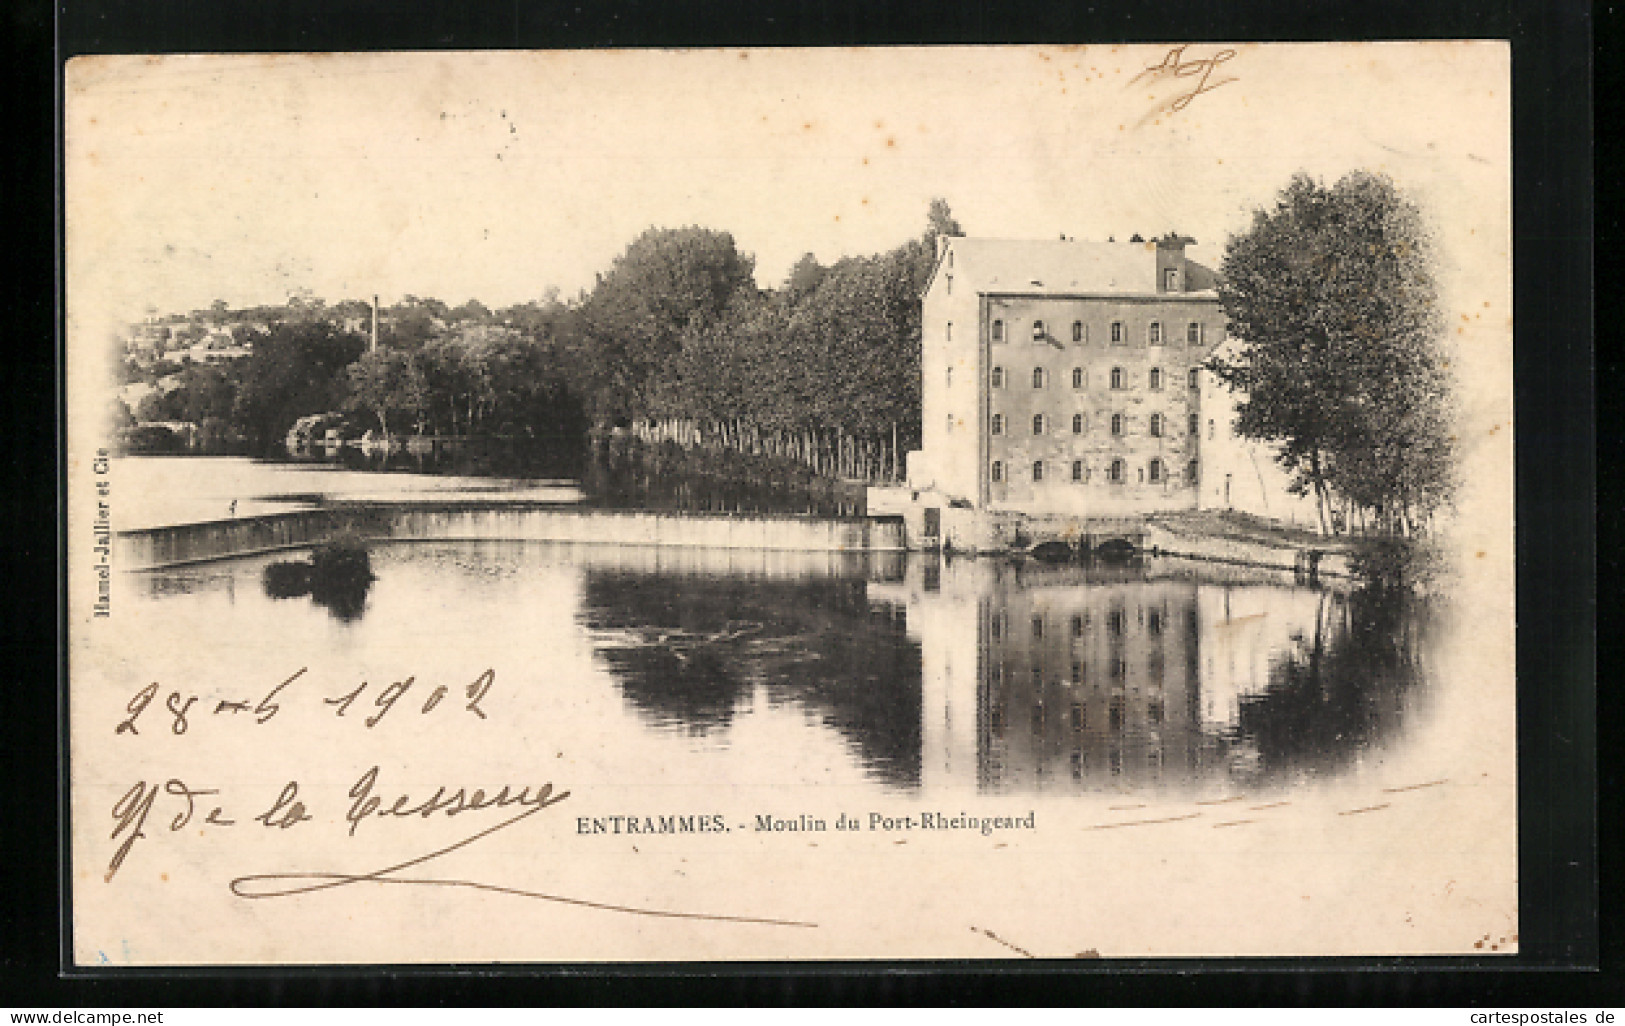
pixel 1038 679
pixel 1057 679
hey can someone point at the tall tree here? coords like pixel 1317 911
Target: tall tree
pixel 940 220
pixel 296 369
pixel 635 317
pixel 1332 298
pixel 388 383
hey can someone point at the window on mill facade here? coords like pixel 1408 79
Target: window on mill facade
pixel 1117 423
pixel 998 377
pixel 1154 333
pixel 1117 332
pixel 1117 377
pixel 997 473
pixel 1193 333
pixel 1077 331
pixel 1077 377
pixel 1038 423
pixel 1077 423
pixel 1038 377
pixel 1156 425
pixel 1154 471
pixel 1038 470
pixel 996 426
pixel 998 331
pixel 1155 379
pixel 1115 473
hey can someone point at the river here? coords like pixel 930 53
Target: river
pixel 903 673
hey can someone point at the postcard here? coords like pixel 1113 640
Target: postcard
pixel 1041 502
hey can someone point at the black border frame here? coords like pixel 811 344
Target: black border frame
pixel 1561 926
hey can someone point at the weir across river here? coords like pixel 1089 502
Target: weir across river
pixel 159 547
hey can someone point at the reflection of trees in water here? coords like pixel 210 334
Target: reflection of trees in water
pixel 1344 691
pixel 688 650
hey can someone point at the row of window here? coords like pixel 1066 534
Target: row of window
pixel 1158 424
pixel 1080 379
pixel 1116 623
pixel 1156 471
pixel 1117 332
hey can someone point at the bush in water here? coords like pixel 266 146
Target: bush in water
pixel 337 576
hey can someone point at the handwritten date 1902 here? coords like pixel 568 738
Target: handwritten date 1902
pixel 181 712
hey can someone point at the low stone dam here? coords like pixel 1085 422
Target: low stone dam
pixel 159 547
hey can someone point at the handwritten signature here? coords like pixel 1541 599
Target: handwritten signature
pixel 132 809
pixel 1175 66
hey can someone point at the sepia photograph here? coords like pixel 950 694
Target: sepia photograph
pixel 746 505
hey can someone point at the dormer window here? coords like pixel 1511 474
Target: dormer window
pixel 1170 279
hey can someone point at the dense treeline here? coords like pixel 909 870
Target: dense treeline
pixel 675 342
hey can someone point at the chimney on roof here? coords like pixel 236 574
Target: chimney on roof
pixel 1135 238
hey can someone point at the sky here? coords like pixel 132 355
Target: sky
pixel 497 175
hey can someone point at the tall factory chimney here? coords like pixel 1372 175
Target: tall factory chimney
pixel 375 322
